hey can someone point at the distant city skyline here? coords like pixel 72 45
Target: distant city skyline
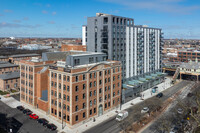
pixel 64 18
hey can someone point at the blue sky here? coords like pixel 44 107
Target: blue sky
pixel 64 18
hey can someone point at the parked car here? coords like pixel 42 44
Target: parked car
pixel 121 115
pixel 27 111
pixel 21 108
pixel 190 95
pixel 145 110
pixel 159 95
pixel 180 111
pixel 51 126
pixel 42 121
pixel 33 116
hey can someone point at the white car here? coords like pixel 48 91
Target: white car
pixel 145 110
pixel 121 115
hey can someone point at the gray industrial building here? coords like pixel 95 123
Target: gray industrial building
pixel 137 47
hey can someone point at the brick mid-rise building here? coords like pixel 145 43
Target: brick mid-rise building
pixel 69 47
pixel 79 86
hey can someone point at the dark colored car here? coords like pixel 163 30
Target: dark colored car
pixel 190 95
pixel 51 126
pixel 21 108
pixel 42 121
pixel 159 95
pixel 27 112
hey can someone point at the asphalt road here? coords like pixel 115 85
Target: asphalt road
pixel 111 126
pixel 28 125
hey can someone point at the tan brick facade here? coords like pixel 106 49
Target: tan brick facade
pixel 84 92
pixel 6 85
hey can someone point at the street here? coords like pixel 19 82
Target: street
pixel 27 125
pixel 111 126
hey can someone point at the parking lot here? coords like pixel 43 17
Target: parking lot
pixel 26 125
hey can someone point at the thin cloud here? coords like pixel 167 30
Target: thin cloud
pixel 54 13
pixel 168 6
pixel 44 12
pixel 51 22
pixel 8 11
pixel 17 21
pixel 13 25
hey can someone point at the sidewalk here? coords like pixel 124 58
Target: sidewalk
pixel 13 103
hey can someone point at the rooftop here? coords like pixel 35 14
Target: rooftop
pixel 11 75
pixel 24 55
pixel 8 65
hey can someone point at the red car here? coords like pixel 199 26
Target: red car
pixel 33 116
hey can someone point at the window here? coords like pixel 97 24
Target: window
pixel 108 104
pixel 64 87
pixel 90 75
pixel 90 84
pixel 105 72
pixel 100 90
pixel 95 101
pixel 118 92
pixel 83 114
pixel 94 110
pixel 59 95
pixel 67 78
pixel 94 83
pixel 100 73
pixel 84 105
pixel 83 95
pixel 76 108
pixel 113 94
pixel 108 87
pixel 100 82
pixel 52 92
pixel 90 112
pixel 108 71
pixel 68 98
pixel 109 79
pixel 64 78
pixel 94 75
pixel 114 86
pixel 76 98
pixel 105 105
pixel 68 88
pixel 59 104
pixel 94 92
pixel 83 86
pixel 68 118
pixel 113 102
pixel 113 78
pixel 64 106
pixel 105 88
pixel 90 102
pixel 105 97
pixel 83 76
pixel 90 93
pixel 55 93
pixel 68 108
pixel 108 96
pixel 76 88
pixel 59 76
pixel 55 103
pixel 76 117
pixel 118 84
pixel 52 101
pixel 55 84
pixel 76 61
pixel 118 77
pixel 91 60
pixel 76 78
pixel 105 80
pixel 113 70
pixel 59 85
